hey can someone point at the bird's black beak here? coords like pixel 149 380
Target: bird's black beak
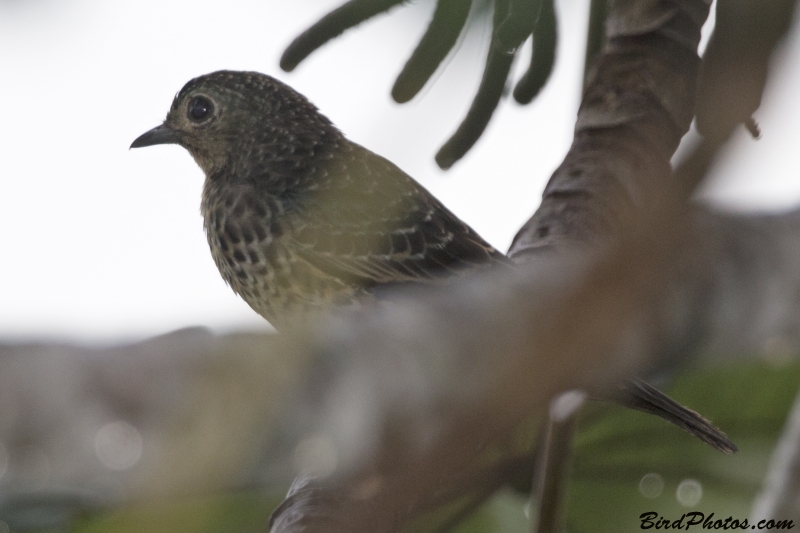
pixel 158 135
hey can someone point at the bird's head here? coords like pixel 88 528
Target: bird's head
pixel 246 123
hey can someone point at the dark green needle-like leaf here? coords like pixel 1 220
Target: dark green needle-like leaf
pixel 498 65
pixel 332 25
pixel 545 34
pixel 517 25
pixel 445 27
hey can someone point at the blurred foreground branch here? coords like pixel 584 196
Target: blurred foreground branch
pixel 202 403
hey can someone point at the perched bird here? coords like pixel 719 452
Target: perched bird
pixel 299 218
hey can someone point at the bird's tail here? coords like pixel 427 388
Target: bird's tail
pixel 638 395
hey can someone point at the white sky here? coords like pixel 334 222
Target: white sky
pixel 103 243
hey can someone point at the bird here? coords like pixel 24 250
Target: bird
pixel 301 219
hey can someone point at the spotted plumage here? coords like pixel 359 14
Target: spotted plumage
pixel 299 218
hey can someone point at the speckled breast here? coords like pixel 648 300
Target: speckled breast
pixel 251 240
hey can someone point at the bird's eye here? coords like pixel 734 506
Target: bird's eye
pixel 200 108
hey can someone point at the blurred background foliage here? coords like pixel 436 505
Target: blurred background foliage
pixel 626 463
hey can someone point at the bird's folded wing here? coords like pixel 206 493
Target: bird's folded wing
pixel 418 255
pixel 379 227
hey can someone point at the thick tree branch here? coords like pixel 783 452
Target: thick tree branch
pixel 638 103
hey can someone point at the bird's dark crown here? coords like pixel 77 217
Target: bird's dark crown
pixel 259 88
pixel 247 125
